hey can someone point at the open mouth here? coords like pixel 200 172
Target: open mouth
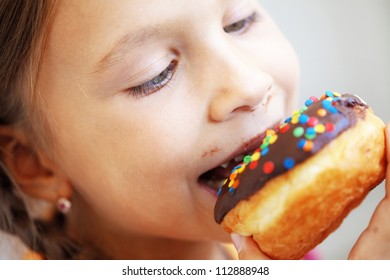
pixel 215 177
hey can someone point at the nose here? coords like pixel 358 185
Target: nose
pixel 240 86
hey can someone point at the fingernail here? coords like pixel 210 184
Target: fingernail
pixel 238 241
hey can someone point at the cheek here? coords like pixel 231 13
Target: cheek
pixel 119 144
pixel 120 156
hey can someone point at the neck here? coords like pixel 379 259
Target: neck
pixel 150 248
pixel 140 247
pixel 101 242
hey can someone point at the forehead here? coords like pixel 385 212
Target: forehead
pixel 91 27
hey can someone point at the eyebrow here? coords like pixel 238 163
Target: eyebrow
pixel 124 45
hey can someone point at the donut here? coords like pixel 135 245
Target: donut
pixel 310 171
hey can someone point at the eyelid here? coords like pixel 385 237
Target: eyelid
pixel 156 83
pixel 247 21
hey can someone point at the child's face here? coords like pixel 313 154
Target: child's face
pixel 146 96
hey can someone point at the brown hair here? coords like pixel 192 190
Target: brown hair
pixel 23 25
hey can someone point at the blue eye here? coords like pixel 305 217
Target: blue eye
pixel 241 26
pixel 156 83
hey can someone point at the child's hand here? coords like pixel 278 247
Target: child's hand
pixel 374 243
pixel 247 248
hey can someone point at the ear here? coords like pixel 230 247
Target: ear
pixel 33 171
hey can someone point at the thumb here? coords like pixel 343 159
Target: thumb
pixel 247 248
pixel 374 242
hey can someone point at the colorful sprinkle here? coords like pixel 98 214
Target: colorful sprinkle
pixel 233 176
pixel 273 139
pixel 337 94
pixel 288 163
pixel 268 167
pixel 310 133
pixel 327 104
pixel 303 109
pixel 264 151
pixel 308 146
pixel 267 139
pixel 247 159
pixel 301 143
pixel 314 98
pixel 329 93
pixel 241 168
pixel 329 127
pixel 295 119
pixel 321 112
pixel 253 165
pixel 320 128
pixel 310 136
pixel 256 155
pixel 236 168
pixel 284 128
pixel 264 145
pixel 333 110
pixel 298 131
pixel 309 102
pixel 303 119
pixel 312 121
pixel 270 132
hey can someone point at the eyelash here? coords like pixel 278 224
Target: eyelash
pixel 164 78
pixel 243 25
pixel 156 83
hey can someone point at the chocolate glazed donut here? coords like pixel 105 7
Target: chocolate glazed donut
pixel 308 174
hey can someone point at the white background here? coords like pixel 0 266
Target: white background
pixel 342 45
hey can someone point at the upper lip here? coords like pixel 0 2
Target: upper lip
pixel 247 147
pixel 250 145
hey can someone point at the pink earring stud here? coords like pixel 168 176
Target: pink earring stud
pixel 64 205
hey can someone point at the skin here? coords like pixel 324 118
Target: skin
pixel 374 242
pixel 132 161
pixel 129 159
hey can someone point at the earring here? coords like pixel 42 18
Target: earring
pixel 64 205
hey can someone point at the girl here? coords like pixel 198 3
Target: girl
pixel 116 111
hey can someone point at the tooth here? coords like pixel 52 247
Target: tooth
pixel 225 165
pixel 239 158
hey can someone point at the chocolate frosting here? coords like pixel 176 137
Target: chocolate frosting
pixel 291 143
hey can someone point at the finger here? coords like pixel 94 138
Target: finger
pixel 374 242
pixel 247 248
pixel 387 133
